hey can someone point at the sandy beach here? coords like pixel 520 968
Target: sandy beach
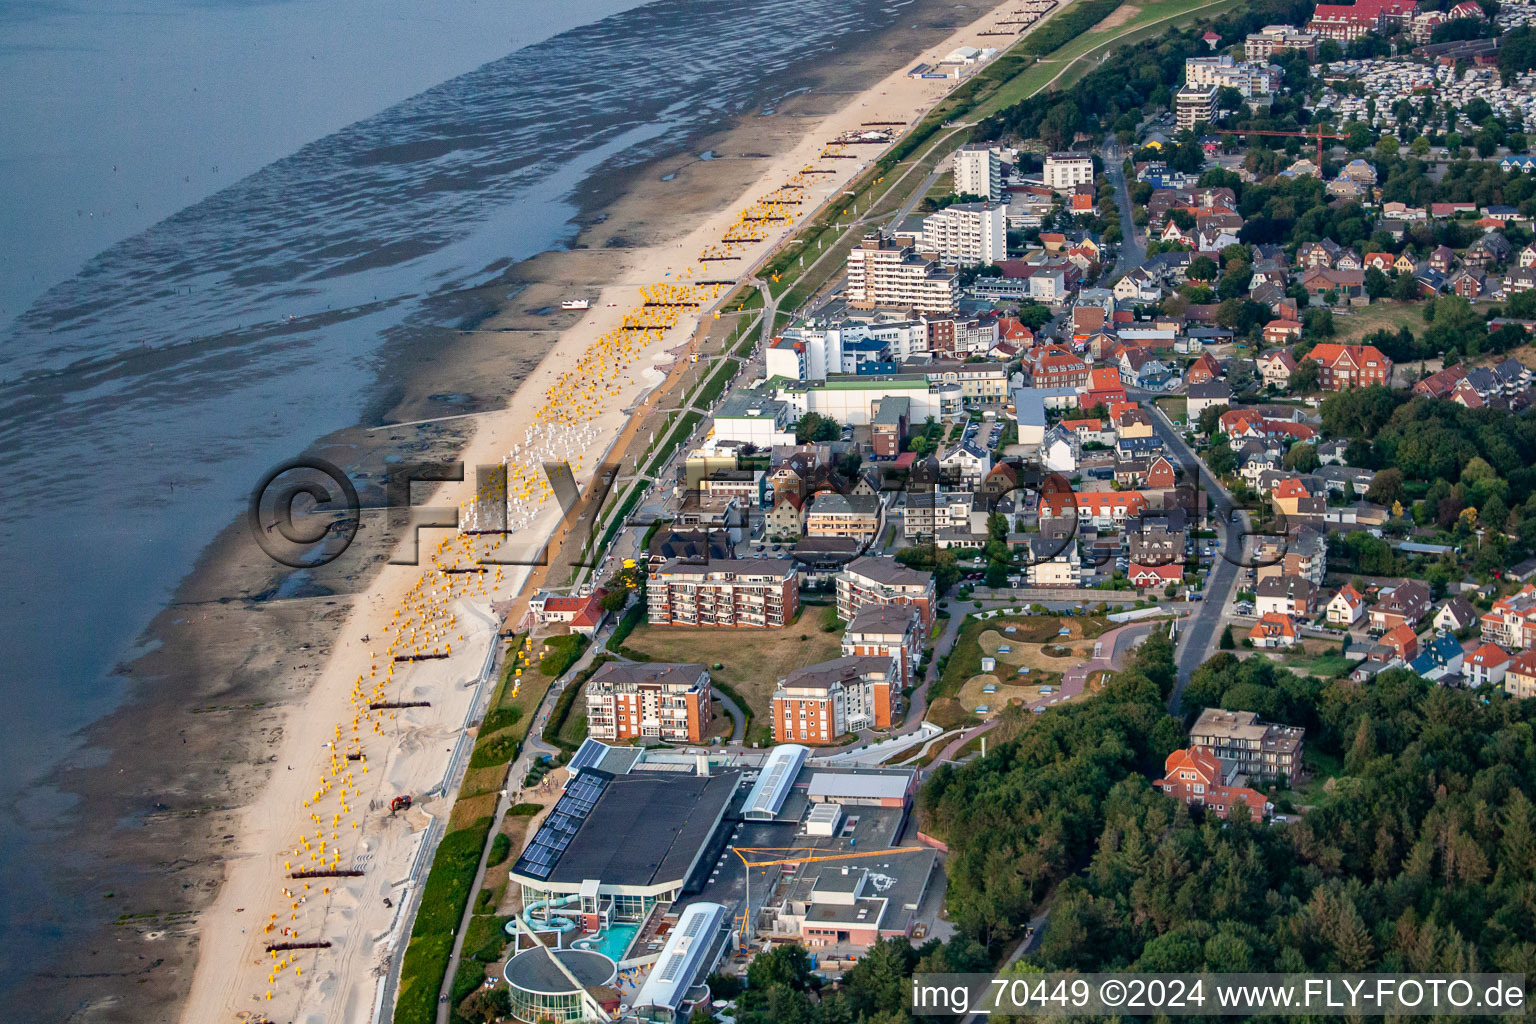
pixel 275 749
pixel 235 976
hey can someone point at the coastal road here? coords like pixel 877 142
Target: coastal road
pixel 1232 527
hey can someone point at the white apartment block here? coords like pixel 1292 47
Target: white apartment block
pixel 1252 80
pixel 885 273
pixel 978 171
pixel 1194 104
pixel 968 233
pixel 815 351
pixel 1065 171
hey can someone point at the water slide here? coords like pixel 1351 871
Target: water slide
pixel 559 924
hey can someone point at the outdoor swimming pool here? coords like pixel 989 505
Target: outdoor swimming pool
pixel 612 942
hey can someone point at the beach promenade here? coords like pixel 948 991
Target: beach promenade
pixel 412 637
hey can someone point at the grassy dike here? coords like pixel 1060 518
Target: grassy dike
pixel 1019 73
pixel 448 885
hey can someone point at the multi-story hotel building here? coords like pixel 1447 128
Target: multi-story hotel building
pixel 883 272
pixel 654 700
pixel 1245 745
pixel 978 171
pixel 752 593
pixel 967 233
pixel 819 703
pixel 887 631
pixel 1272 39
pixel 1065 171
pixel 873 581
pixel 1194 104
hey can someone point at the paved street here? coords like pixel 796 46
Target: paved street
pixel 1232 526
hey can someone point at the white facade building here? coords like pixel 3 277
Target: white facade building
pixel 1194 104
pixel 1065 171
pixel 979 171
pixel 885 273
pixel 1254 81
pixel 754 419
pixel 968 233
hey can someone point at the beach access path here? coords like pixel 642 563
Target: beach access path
pixel 232 969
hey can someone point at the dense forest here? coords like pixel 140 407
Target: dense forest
pixel 1419 855
pixel 1439 459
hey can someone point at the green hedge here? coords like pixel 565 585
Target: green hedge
pixel 563 706
pixel 501 849
pixel 625 627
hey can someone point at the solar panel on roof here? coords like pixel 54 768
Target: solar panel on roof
pixel 589 753
pixel 560 827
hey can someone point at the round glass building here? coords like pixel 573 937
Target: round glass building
pixel 551 986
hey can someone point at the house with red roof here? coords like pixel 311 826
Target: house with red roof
pixel 1348 22
pixel 1346 367
pixel 1275 368
pixel 1487 664
pixel 1282 332
pixel 1104 388
pixel 1273 631
pixel 1203 369
pixel 1055 367
pixel 576 613
pixel 1194 776
pixel 1105 509
pixel 1345 608
pixel 1145 576
pixel 1398 642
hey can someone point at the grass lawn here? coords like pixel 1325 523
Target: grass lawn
pixel 1031 633
pixel 753 660
pixel 1321 767
pixel 1387 314
pixel 1176 406
pixel 1127 24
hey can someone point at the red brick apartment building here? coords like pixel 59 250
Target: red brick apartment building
pixel 819 703
pixel 750 593
pixel 1195 777
pixel 1351 366
pixel 875 581
pixel 655 700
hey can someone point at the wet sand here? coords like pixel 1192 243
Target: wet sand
pixel 186 777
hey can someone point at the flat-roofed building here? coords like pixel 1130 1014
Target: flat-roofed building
pixel 1066 171
pixel 1194 104
pixel 677 980
pixel 979 171
pixel 886 273
pixel 1273 39
pixel 667 820
pixel 967 234
pixel 753 593
pixel 754 419
pixel 1246 746
pixel 654 700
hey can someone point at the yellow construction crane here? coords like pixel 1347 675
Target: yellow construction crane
pixel 748 865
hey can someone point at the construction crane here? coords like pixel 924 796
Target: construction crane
pixel 1319 135
pixel 748 865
